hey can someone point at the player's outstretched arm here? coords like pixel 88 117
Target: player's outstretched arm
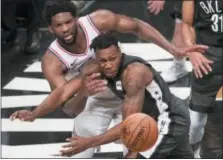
pixel 57 97
pixel 105 21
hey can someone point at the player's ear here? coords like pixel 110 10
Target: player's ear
pixel 50 29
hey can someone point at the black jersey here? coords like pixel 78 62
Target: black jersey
pixel 158 98
pixel 208 22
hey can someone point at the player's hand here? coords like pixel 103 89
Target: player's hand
pixel 200 64
pixel 131 155
pixel 93 84
pixel 76 145
pixel 23 115
pixel 155 6
pixel 185 51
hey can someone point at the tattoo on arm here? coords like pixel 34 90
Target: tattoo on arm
pixel 135 93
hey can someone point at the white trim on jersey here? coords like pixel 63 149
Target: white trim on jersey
pixel 163 118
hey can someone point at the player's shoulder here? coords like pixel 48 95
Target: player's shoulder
pixel 101 13
pixel 136 68
pixel 49 56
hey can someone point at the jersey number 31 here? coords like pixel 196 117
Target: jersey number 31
pixel 217 23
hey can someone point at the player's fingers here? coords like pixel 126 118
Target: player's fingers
pixel 152 8
pixel 208 66
pixel 98 89
pixel 197 48
pixel 195 73
pixel 66 152
pixel 203 68
pixel 158 9
pixel 195 68
pixel 14 116
pixel 199 72
pixel 68 145
pixel 95 76
pixel 149 2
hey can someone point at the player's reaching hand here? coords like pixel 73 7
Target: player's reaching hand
pixel 76 145
pixel 23 115
pixel 200 64
pixel 93 84
pixel 155 6
pixel 185 51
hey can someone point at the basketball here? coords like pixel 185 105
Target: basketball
pixel 139 132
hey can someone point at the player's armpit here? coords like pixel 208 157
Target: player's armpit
pixel 53 70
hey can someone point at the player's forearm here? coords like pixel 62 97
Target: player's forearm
pixel 149 33
pixel 75 105
pixel 188 34
pixel 53 101
pixel 109 136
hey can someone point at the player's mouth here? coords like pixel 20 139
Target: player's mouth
pixel 110 74
pixel 68 38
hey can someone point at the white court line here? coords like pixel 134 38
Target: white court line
pixel 147 51
pixel 22 101
pixel 46 150
pixel 39 125
pixel 35 67
pixel 34 100
pixel 158 65
pixel 28 84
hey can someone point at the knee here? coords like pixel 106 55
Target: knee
pixel 82 127
pixel 198 121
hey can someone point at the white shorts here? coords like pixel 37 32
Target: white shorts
pixel 97 115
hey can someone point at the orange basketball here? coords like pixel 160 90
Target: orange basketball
pixel 139 132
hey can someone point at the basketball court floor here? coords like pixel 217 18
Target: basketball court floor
pixel 24 87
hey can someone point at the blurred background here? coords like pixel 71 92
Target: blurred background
pixel 24 39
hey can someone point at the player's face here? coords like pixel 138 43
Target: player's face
pixel 109 60
pixel 64 27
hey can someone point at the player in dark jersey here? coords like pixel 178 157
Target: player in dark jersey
pixel 203 19
pixel 143 90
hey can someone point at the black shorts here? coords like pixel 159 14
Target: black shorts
pixel 175 144
pixel 204 91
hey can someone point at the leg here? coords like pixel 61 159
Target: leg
pixel 183 150
pixel 203 94
pixel 33 34
pixel 9 26
pixel 178 68
pixel 198 122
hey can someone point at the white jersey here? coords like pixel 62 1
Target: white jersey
pixel 73 61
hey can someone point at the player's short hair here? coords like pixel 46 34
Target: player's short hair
pixel 103 41
pixel 54 7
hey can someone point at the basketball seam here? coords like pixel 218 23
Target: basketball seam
pixel 135 130
pixel 147 133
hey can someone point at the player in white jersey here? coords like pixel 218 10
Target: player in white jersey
pixel 67 54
